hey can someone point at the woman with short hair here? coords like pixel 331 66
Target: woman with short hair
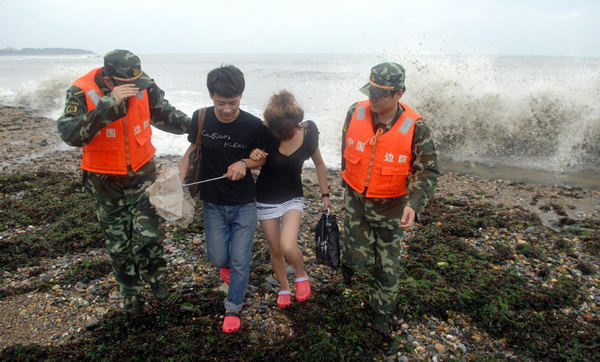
pixel 279 190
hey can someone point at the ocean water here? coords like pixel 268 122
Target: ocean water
pixel 537 114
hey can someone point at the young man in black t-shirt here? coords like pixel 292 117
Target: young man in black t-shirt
pixel 229 206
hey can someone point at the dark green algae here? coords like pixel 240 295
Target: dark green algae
pixel 449 269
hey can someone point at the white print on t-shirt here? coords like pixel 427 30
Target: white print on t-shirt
pixel 216 136
pixel 234 145
pixel 226 137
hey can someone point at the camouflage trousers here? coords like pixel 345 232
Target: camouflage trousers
pixel 373 243
pixel 130 227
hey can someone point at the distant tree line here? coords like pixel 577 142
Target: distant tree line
pixel 43 51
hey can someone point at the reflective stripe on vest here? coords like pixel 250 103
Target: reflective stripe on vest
pixel 121 143
pixel 94 97
pixel 382 165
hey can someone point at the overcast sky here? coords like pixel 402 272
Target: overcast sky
pixel 509 27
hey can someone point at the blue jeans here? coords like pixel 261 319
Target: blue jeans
pixel 229 236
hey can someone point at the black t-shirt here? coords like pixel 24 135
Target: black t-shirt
pixel 280 178
pixel 222 145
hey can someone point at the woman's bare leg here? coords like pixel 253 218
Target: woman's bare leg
pixel 271 230
pixel 288 240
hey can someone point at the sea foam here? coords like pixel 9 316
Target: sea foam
pixel 531 112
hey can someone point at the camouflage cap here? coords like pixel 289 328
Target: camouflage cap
pixel 125 67
pixel 385 77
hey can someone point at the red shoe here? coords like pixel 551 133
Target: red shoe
pixel 231 322
pixel 284 299
pixel 225 274
pixel 302 289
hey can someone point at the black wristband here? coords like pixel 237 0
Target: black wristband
pixel 324 195
pixel 244 163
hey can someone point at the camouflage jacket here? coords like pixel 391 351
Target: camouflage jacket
pixel 77 127
pixel 424 165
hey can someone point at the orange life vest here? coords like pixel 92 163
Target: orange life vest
pixel 379 163
pixel 124 142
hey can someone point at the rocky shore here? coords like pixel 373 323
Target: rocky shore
pixel 494 269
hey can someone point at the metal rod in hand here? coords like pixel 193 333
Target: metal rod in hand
pixel 203 181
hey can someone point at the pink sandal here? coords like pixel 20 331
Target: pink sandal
pixel 302 289
pixel 225 274
pixel 231 322
pixel 284 299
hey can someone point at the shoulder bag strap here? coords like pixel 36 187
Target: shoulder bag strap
pixel 201 116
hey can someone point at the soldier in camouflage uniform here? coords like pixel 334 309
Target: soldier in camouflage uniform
pixel 373 225
pixel 128 220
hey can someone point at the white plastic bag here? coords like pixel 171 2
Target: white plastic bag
pixel 171 201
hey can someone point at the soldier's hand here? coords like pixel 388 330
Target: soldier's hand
pixel 124 91
pixel 408 218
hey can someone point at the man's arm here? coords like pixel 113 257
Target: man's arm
pixel 76 126
pixel 237 170
pixel 262 137
pixel 344 131
pixel 163 115
pixel 424 168
pixel 185 163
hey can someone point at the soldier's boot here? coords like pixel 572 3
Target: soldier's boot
pixel 381 323
pixel 133 304
pixel 347 273
pixel 160 291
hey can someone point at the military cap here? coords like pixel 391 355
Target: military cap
pixel 385 77
pixel 125 67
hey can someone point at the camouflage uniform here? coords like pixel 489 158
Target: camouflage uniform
pixel 128 220
pixel 373 238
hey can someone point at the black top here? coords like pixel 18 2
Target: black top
pixel 222 145
pixel 280 178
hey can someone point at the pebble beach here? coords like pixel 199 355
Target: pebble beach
pixel 61 301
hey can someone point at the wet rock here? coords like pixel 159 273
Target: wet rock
pixel 290 270
pixel 16 197
pixel 271 282
pixel 188 309
pixel 92 325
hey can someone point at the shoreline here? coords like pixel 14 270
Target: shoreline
pixel 587 180
pixel 33 142
pixel 49 141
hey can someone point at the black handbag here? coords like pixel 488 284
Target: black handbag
pixel 195 157
pixel 327 240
